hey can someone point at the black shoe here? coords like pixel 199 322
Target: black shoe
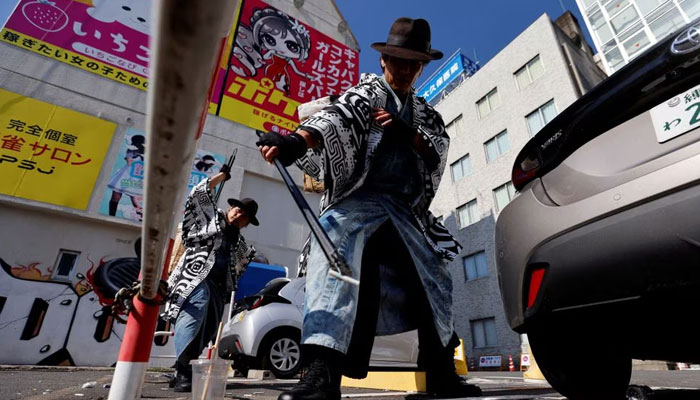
pixel 449 385
pixel 320 380
pixel 183 383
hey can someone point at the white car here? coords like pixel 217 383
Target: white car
pixel 265 333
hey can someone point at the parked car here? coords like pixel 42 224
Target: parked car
pixel 598 255
pixel 265 333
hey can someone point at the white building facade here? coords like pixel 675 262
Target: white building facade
pixel 623 29
pixel 489 117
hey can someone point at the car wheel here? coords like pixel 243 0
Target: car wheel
pixel 579 365
pixel 283 354
pixel 635 392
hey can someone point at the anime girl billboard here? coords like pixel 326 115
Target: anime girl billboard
pixel 124 195
pixel 272 44
pixel 277 62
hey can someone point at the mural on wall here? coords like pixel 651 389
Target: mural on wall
pixel 104 37
pixel 50 321
pixel 49 153
pixel 124 195
pixel 276 63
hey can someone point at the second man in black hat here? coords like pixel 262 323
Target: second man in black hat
pixel 382 151
pixel 215 257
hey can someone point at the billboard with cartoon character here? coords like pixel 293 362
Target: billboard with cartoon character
pixel 275 63
pixel 105 37
pixel 124 195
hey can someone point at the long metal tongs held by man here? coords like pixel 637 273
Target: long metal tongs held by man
pixel 229 164
pixel 339 269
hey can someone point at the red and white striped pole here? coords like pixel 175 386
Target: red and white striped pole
pixel 187 40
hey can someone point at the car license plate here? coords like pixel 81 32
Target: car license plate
pixel 677 115
pixel 238 317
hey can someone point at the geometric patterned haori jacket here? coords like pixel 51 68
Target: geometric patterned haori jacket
pixel 202 233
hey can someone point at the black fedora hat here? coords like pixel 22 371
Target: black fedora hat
pixel 250 207
pixel 409 39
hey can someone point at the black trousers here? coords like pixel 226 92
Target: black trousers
pixel 386 247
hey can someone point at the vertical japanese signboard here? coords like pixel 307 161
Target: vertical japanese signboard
pixel 124 195
pixel 105 37
pixel 276 63
pixel 49 153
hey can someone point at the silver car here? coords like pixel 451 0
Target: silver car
pixel 265 333
pixel 599 255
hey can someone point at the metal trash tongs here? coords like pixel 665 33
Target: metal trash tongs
pixel 339 269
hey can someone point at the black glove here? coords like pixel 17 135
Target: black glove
pixel 226 170
pixel 291 147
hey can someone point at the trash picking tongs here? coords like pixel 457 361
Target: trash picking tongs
pixel 339 269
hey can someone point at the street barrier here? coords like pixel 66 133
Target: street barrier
pixel 182 69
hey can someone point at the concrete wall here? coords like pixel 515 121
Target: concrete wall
pixel 35 232
pixel 481 298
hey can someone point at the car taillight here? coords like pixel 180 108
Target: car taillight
pixel 525 171
pixel 257 303
pixel 536 276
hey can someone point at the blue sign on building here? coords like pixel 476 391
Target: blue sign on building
pixel 445 78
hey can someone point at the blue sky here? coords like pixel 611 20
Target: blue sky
pixel 484 26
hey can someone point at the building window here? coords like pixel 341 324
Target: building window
pixel 65 263
pixel 624 19
pixel 615 6
pixel 475 266
pixel 484 332
pixel 467 214
pixel 537 119
pixel 502 195
pixel 529 72
pixel 588 3
pixel 615 59
pixel 496 146
pixel 691 8
pixel 461 168
pixel 637 43
pixel 454 127
pixel 647 6
pixel 488 103
pixel 667 24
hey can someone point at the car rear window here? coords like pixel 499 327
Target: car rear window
pixel 272 288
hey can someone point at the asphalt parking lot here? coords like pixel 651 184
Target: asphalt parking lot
pixel 59 383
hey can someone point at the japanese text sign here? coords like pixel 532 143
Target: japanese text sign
pixel 275 64
pixel 490 361
pixel 448 72
pixel 49 153
pixel 108 38
pixel 124 195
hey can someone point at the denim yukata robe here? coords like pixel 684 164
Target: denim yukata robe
pixel 202 233
pixel 349 139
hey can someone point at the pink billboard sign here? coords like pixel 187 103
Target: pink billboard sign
pixel 105 37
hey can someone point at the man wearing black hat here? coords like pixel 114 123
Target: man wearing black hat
pixel 380 151
pixel 215 256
